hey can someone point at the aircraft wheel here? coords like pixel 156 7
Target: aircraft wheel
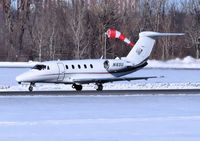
pixel 99 87
pixel 77 87
pixel 30 88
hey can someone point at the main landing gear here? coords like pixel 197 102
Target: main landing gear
pixel 99 87
pixel 30 88
pixel 77 87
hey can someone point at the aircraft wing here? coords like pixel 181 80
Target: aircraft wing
pixel 29 64
pixel 106 80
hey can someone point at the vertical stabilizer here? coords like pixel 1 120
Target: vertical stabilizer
pixel 143 47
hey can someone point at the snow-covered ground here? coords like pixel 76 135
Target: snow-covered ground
pixel 178 74
pixel 185 63
pixel 100 118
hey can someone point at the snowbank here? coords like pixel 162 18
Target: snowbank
pixel 108 86
pixel 185 63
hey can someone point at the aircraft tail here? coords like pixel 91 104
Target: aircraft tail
pixel 143 47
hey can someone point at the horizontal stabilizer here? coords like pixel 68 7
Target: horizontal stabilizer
pixel 158 34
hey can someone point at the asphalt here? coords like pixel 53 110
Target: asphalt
pixel 105 92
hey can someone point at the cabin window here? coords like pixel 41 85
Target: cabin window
pixel 67 67
pixel 79 66
pixel 39 67
pixel 73 67
pixel 91 66
pixel 48 68
pixel 85 66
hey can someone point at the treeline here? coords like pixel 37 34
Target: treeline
pixel 75 29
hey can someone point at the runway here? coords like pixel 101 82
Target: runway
pixel 105 92
pixel 100 118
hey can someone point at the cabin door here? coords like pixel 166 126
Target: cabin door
pixel 61 69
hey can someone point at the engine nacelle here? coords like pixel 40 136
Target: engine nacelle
pixel 116 65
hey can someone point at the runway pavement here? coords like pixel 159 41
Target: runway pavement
pixel 105 92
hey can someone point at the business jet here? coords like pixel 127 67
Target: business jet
pixel 97 71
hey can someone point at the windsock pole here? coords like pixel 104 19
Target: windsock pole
pixel 105 46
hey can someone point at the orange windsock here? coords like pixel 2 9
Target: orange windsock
pixel 113 34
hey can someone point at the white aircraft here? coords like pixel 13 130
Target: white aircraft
pixel 98 71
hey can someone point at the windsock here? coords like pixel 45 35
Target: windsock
pixel 113 34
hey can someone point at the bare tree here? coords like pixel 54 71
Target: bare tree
pixel 20 27
pixel 7 12
pixel 76 25
pixel 57 29
pixel 193 24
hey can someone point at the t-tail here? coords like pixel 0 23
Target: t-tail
pixel 143 47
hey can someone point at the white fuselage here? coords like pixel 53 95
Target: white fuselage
pixel 73 71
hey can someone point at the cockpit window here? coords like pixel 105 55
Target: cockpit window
pixel 39 67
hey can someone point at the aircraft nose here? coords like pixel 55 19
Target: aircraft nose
pixel 23 77
pixel 19 78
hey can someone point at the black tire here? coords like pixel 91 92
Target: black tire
pixel 30 88
pixel 77 87
pixel 99 87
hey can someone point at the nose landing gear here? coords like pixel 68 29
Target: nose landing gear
pixel 30 88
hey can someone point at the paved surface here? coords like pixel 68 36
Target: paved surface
pixel 147 117
pixel 105 92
